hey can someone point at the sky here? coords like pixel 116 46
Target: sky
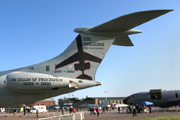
pixel 32 31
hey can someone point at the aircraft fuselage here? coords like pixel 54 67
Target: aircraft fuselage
pixel 161 98
pixel 18 88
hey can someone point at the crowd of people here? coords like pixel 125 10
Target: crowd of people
pixel 94 111
pixel 129 109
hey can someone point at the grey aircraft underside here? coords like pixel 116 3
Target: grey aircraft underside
pixel 157 97
pixel 75 68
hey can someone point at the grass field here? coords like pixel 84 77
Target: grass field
pixel 164 118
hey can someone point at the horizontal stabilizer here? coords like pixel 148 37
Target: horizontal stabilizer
pixel 123 41
pixel 129 21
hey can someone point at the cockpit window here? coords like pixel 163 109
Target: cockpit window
pixel 156 96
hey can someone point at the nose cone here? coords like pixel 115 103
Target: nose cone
pixel 125 101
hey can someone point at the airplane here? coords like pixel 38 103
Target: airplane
pixel 75 68
pixel 115 106
pixel 89 106
pixel 158 97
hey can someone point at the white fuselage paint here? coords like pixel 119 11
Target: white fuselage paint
pixel 23 88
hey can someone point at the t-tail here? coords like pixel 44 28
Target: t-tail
pixel 82 58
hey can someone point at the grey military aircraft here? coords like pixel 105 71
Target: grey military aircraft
pixel 157 97
pixel 75 68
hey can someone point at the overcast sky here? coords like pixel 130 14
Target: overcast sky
pixel 32 31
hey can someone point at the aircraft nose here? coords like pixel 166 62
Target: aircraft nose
pixel 125 100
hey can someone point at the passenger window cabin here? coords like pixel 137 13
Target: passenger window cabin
pixel 47 68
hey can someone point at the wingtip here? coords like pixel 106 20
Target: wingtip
pixel 165 10
pixel 168 10
pixel 160 11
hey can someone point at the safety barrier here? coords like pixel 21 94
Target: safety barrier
pixel 76 116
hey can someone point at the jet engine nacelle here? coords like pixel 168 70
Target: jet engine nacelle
pixel 34 82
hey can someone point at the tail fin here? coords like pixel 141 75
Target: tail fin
pixel 82 58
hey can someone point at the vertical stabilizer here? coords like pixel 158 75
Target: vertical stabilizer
pixel 88 52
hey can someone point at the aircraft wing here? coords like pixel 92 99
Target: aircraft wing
pixel 129 21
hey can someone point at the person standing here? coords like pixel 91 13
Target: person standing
pixel 91 111
pixel 37 112
pixel 103 110
pixel 62 110
pixel 24 110
pixel 150 109
pixel 14 111
pixel 134 111
pixel 28 110
pixel 74 110
pixel 111 107
pixel 70 109
pixel 97 110
pixel 118 109
pixel 94 110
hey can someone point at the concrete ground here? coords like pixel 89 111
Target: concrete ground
pixel 124 116
pixel 111 115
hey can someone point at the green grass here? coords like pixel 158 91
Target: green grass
pixel 163 118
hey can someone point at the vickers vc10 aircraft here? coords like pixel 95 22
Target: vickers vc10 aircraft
pixel 75 68
pixel 157 97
